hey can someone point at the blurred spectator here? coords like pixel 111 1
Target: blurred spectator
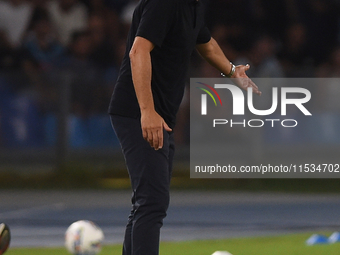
pixel 41 4
pixel 127 12
pixel 332 67
pixel 103 52
pixel 273 17
pixel 67 16
pixel 39 12
pixel 102 48
pixel 98 6
pixel 117 5
pixel 232 39
pixel 321 21
pixel 42 56
pixel 110 23
pixel 9 57
pixel 120 50
pixel 15 16
pixel 41 45
pixel 294 54
pixel 262 59
pixel 86 78
pixel 227 12
pixel 328 95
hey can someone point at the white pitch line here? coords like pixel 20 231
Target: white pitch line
pixel 26 211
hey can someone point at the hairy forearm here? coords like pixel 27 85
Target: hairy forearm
pixel 214 55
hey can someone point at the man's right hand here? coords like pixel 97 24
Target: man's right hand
pixel 152 128
pixel 152 123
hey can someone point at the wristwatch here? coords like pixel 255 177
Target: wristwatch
pixel 232 71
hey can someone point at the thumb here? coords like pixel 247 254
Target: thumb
pixel 166 127
pixel 247 67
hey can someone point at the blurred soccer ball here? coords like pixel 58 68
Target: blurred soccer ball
pixel 5 237
pixel 221 253
pixel 83 238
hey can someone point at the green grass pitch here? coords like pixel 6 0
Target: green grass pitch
pixel 274 245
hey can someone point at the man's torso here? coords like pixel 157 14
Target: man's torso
pixel 175 27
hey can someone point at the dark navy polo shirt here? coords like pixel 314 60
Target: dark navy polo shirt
pixel 175 27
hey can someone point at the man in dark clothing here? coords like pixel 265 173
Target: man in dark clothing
pixel 145 101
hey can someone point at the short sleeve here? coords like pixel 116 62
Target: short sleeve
pixel 156 20
pixel 203 36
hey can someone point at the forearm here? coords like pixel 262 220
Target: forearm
pixel 151 122
pixel 141 77
pixel 214 55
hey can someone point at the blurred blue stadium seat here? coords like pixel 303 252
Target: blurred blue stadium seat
pixel 94 131
pixel 100 132
pixel 20 122
pixel 324 128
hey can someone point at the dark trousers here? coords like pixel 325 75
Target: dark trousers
pixel 150 174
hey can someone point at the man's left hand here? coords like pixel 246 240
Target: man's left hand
pixel 243 81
